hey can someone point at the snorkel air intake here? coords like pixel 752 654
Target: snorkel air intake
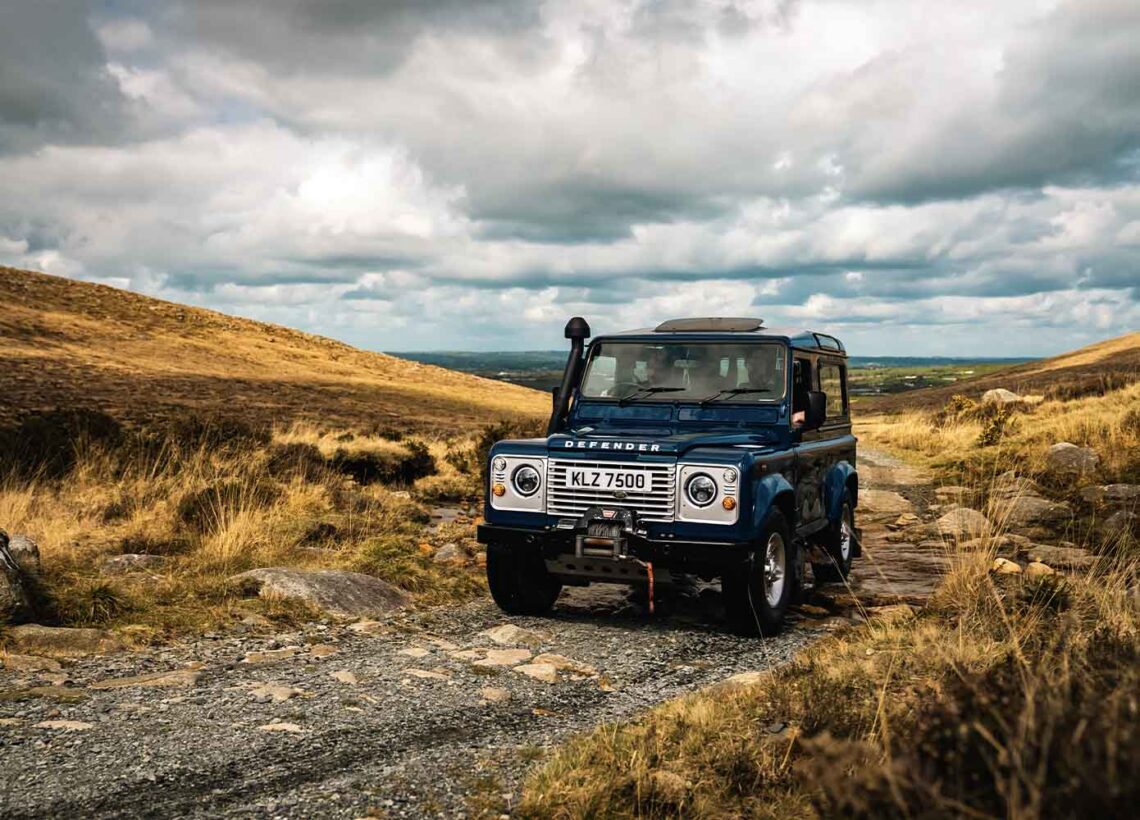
pixel 577 331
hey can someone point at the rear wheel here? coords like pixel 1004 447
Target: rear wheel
pixel 839 544
pixel 519 580
pixel 757 597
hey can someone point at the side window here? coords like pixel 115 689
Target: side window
pixel 802 383
pixel 831 383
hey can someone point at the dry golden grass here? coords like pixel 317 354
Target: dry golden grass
pixel 73 344
pixel 213 511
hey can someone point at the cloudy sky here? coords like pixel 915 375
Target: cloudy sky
pixel 916 177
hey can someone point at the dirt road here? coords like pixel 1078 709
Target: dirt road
pixel 434 713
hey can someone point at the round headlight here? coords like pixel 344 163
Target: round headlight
pixel 526 480
pixel 701 490
pixel 499 464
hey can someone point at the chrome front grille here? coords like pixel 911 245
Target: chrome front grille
pixel 652 504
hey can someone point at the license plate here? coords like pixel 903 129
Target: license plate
pixel 628 480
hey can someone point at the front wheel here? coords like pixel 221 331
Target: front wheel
pixel 519 580
pixel 757 597
pixel 839 544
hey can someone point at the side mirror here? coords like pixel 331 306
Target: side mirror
pixel 816 413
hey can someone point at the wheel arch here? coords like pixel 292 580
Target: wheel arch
pixel 841 479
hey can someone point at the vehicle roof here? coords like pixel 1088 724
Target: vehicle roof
pixel 798 338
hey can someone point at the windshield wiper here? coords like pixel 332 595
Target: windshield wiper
pixel 646 391
pixel 736 391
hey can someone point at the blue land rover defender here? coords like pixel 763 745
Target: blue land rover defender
pixel 711 447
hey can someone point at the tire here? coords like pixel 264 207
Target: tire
pixel 519 582
pixel 839 544
pixel 756 598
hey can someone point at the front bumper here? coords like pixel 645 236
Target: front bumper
pixel 692 556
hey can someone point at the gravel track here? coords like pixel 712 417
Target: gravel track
pixel 392 742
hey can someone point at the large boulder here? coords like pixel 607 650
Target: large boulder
pixel 1073 558
pixel 1001 397
pixel 962 524
pixel 1113 495
pixel 15 598
pixel 1030 511
pixel 26 553
pixel 350 594
pixel 1122 525
pixel 1069 459
pixel 1011 485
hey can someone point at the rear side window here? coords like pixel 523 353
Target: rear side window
pixel 831 382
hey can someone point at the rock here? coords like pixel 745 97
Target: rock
pixel 26 553
pixel 1113 495
pixel 562 663
pixel 1061 557
pixel 1003 566
pixel 545 672
pixel 429 674
pixel 746 678
pixel 1010 485
pixel 64 694
pixel 344 676
pixel 132 562
pixel 1001 397
pixel 1005 544
pixel 503 657
pixel 367 627
pixel 268 692
pixel 270 655
pixel 904 520
pixel 60 641
pixel 883 501
pixel 1122 525
pixel 1030 511
pixel 895 613
pixel 30 663
pixel 333 591
pixel 1069 459
pixel 65 725
pixel 813 611
pixel 280 727
pixel 963 523
pixel 449 554
pixel 511 635
pixel 415 652
pixel 15 599
pixel 952 493
pixel 174 678
pixel 321 650
pixel 492 694
pixel 1035 569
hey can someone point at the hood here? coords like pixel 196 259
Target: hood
pixel 650 441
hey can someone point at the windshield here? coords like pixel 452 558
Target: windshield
pixel 711 372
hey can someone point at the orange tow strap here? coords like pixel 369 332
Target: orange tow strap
pixel 649 572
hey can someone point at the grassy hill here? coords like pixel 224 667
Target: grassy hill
pixel 65 343
pixel 1092 370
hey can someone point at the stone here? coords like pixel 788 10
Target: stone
pixel 1113 495
pixel 1030 511
pixel 64 694
pixel 367 627
pixel 746 678
pixel 415 652
pixel 271 655
pixel 270 692
pixel 321 650
pixel 813 611
pixel 493 694
pixel 449 554
pixel 1061 557
pixel 30 663
pixel 1122 525
pixel 132 562
pixel 963 523
pixel 1010 485
pixel 281 727
pixel 344 676
pixel 61 641
pixel 905 520
pixel 545 672
pixel 429 674
pixel 26 553
pixel 65 725
pixel 511 635
pixel 503 657
pixel 1069 459
pixel 563 663
pixel 1035 569
pixel 15 598
pixel 1001 397
pixel 173 678
pixel 1003 566
pixel 350 594
pixel 895 613
pixel 952 492
pixel 883 501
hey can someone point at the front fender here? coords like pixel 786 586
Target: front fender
pixel 835 483
pixel 766 492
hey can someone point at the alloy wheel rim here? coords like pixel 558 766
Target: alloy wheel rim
pixel 845 534
pixel 774 569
